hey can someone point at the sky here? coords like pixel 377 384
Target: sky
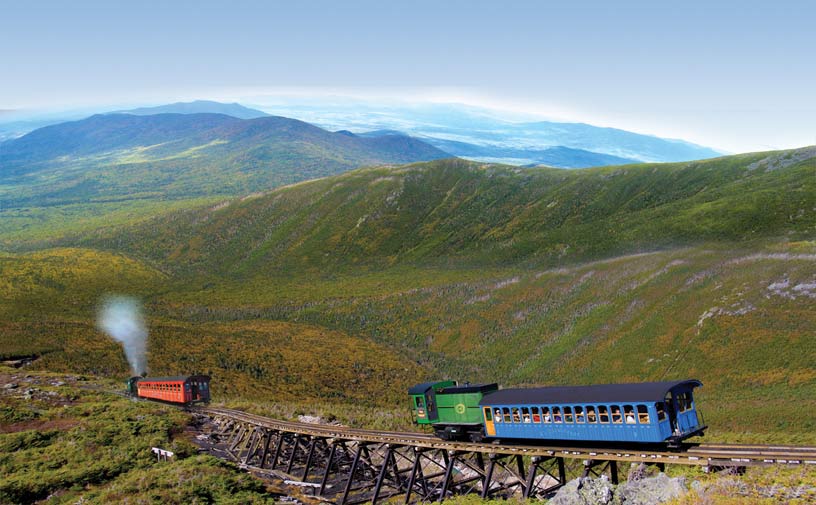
pixel 738 76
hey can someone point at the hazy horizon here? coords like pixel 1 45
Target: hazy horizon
pixel 731 75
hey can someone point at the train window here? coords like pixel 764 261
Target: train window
pixel 629 414
pixel 591 417
pixel 507 415
pixel 516 417
pixel 616 415
pixel 488 414
pixel 567 414
pixel 603 414
pixel 556 415
pixel 579 415
pixel 545 415
pixel 684 401
pixel 498 416
pixel 661 411
pixel 536 415
pixel 643 414
pixel 525 414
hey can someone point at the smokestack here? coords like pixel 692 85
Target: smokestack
pixel 121 318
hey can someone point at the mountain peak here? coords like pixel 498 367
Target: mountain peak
pixel 197 107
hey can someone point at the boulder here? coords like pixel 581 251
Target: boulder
pixel 646 491
pixel 651 490
pixel 585 490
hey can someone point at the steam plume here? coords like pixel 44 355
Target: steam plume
pixel 121 318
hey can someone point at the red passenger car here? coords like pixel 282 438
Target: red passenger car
pixel 182 389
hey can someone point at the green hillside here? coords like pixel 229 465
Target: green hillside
pixel 348 288
pixel 128 166
pixel 458 213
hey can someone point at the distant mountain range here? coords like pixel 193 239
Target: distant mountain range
pixel 558 156
pixel 183 155
pixel 463 131
pixel 198 107
pixel 490 132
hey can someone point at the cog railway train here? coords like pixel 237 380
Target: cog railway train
pixel 185 389
pixel 647 412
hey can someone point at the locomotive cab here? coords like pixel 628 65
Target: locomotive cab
pixel 451 409
pixel 131 387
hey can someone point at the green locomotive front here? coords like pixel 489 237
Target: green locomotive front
pixel 452 410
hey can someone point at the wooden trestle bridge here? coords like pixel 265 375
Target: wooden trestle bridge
pixel 348 466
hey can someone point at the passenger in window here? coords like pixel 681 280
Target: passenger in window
pixel 547 418
pixel 498 417
pixel 629 414
pixel 591 418
pixel 616 415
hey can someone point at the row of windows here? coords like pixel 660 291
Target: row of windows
pixel 161 386
pixel 579 414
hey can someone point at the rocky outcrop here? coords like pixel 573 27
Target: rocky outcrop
pixel 592 491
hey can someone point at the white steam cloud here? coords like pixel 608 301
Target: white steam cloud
pixel 121 318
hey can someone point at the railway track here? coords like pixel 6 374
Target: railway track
pixel 713 455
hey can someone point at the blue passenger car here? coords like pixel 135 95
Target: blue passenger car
pixel 647 412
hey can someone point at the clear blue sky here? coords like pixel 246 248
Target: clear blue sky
pixel 733 75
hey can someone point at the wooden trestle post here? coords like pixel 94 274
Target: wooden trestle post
pixel 357 455
pixel 389 453
pixel 329 465
pixel 308 465
pixel 562 472
pixel 278 449
pixel 416 469
pixel 490 467
pixel 265 451
pixel 528 486
pixel 292 454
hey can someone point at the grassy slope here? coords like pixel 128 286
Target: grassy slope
pixel 48 306
pixel 61 442
pixel 457 213
pixel 484 272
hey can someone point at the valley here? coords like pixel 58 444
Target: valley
pixel 378 278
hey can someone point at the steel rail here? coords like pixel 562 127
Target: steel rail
pixel 701 455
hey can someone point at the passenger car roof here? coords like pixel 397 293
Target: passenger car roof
pixel 600 393
pixel 177 378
